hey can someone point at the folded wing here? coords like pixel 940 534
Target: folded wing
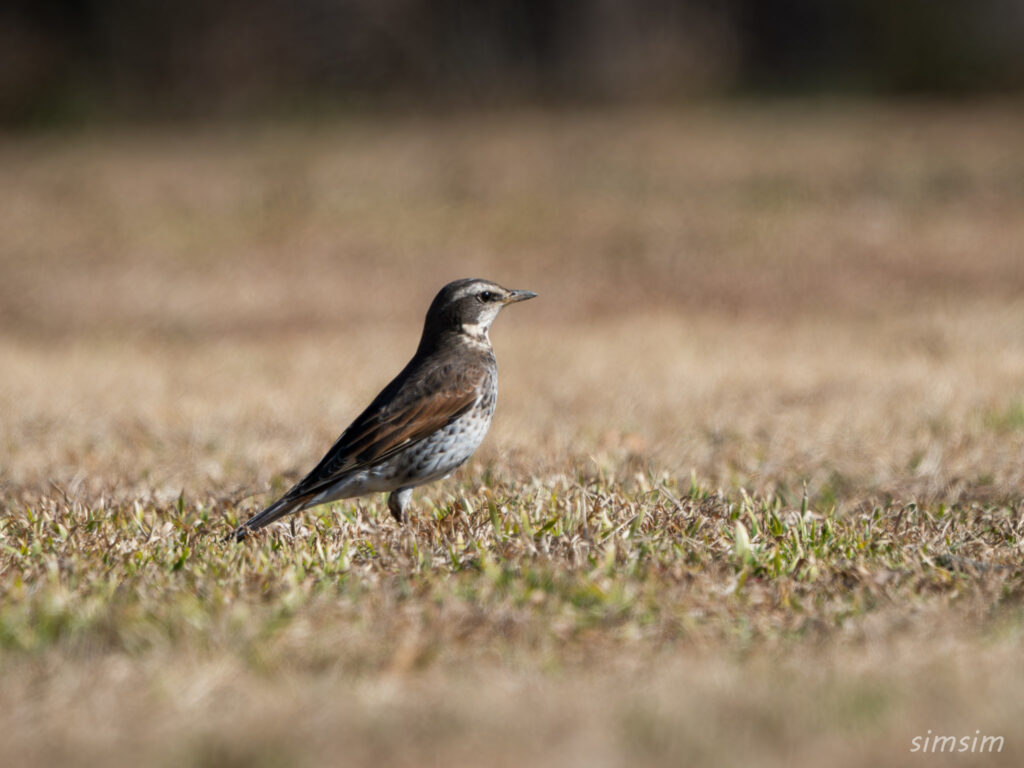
pixel 398 418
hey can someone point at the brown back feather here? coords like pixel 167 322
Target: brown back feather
pixel 412 407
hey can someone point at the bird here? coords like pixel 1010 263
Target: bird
pixel 425 423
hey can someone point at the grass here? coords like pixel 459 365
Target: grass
pixel 753 490
pixel 559 560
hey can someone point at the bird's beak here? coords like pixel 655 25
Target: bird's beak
pixel 515 296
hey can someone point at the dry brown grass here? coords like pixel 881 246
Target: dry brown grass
pixel 762 299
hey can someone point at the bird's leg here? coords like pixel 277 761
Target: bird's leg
pixel 398 501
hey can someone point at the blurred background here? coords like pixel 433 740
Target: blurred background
pixel 736 214
pixel 73 60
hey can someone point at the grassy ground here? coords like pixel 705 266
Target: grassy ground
pixel 754 489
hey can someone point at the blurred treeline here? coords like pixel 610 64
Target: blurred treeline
pixel 67 59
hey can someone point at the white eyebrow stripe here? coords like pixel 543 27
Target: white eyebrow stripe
pixel 474 288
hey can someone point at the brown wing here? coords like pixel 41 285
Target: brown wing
pixel 413 406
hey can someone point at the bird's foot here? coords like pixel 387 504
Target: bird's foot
pixel 397 502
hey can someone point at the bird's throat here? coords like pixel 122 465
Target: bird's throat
pixel 476 333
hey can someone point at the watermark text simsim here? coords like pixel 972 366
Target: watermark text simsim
pixel 975 743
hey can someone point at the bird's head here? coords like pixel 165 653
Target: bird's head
pixel 469 307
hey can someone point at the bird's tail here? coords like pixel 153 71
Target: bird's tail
pixel 283 506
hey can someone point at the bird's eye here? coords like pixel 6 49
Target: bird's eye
pixel 487 296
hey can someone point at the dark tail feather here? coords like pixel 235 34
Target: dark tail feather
pixel 283 506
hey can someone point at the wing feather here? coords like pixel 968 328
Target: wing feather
pixel 408 410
